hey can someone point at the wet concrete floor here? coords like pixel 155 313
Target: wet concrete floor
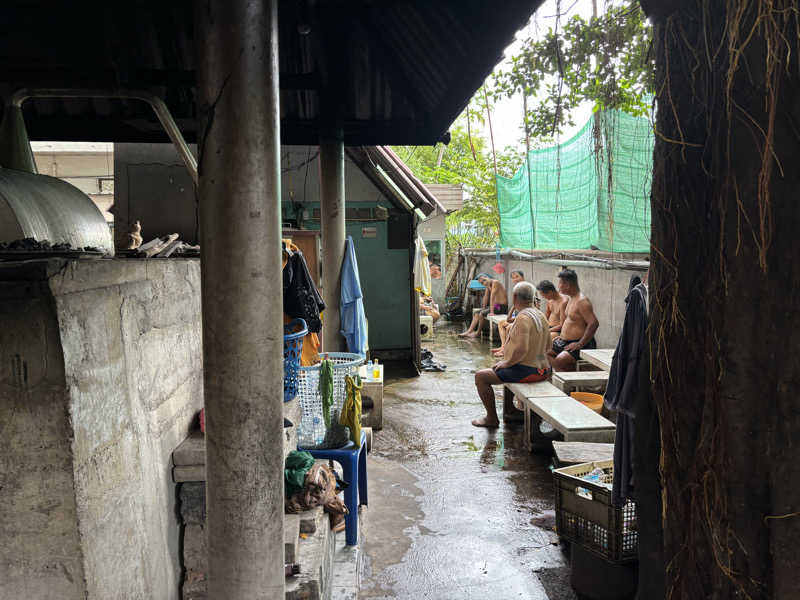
pixel 457 512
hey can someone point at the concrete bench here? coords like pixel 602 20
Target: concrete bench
pixel 540 389
pixel 542 401
pixel 494 320
pixel 568 381
pixel 574 421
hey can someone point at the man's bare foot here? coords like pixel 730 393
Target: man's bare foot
pixel 497 352
pixel 466 333
pixel 485 422
pixel 472 335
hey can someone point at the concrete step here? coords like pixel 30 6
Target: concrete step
pixel 291 537
pixel 189 473
pixel 315 557
pixel 192 451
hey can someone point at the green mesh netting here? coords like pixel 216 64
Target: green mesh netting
pixel 576 201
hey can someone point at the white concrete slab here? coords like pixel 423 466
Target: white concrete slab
pixel 600 357
pixel 572 419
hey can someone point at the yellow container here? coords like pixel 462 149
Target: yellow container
pixel 593 401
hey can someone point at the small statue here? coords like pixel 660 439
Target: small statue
pixel 134 236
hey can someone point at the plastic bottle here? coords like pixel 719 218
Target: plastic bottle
pixel 376 370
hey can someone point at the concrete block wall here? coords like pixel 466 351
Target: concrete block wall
pixel 606 288
pixel 101 376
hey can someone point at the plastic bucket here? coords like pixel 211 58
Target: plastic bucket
pixel 593 401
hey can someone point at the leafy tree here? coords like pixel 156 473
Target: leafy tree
pixel 467 161
pixel 605 60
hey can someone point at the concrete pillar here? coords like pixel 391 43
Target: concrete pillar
pixel 332 221
pixel 240 230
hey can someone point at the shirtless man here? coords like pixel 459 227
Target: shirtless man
pixel 502 328
pixel 556 309
pixel 495 301
pixel 525 359
pixel 579 325
pixel 428 307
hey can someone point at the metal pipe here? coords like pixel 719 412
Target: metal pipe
pixel 156 103
pixel 242 297
pixel 332 223
pixel 566 259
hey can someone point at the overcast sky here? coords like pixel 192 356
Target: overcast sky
pixel 507 120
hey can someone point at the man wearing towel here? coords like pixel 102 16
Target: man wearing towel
pixel 525 356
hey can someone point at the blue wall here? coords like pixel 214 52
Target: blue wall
pixel 385 281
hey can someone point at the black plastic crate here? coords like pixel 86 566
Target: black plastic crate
pixel 585 515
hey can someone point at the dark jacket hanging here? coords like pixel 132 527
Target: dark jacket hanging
pixel 625 386
pixel 301 298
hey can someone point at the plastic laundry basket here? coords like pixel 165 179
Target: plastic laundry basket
pixel 312 433
pixel 293 334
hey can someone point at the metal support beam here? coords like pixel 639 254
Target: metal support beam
pixel 240 230
pixel 156 103
pixel 332 222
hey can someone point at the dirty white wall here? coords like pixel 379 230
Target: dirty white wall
pixel 40 551
pixel 130 345
pixel 89 166
pixel 606 288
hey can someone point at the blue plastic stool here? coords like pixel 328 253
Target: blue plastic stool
pixel 354 468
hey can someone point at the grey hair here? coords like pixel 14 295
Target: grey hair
pixel 524 292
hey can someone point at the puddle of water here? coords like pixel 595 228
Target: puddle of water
pixel 471 445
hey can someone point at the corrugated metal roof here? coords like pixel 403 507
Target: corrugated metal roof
pixel 384 167
pixel 408 68
pixel 449 195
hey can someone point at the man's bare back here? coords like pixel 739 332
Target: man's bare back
pixel 575 324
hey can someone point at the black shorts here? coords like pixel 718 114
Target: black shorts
pixel 559 345
pixel 522 374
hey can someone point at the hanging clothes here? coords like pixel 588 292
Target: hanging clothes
pixel 301 298
pixel 624 388
pixel 422 269
pixel 309 354
pixel 351 311
pixel 351 409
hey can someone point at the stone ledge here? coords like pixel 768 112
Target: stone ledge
pixel 191 451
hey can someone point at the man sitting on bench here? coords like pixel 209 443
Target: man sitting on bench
pixel 495 302
pixel 524 359
pixel 556 306
pixel 579 325
pixel 504 326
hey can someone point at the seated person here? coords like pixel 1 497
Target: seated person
pixel 502 328
pixel 555 311
pixel 524 360
pixel 428 307
pixel 580 325
pixel 495 302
